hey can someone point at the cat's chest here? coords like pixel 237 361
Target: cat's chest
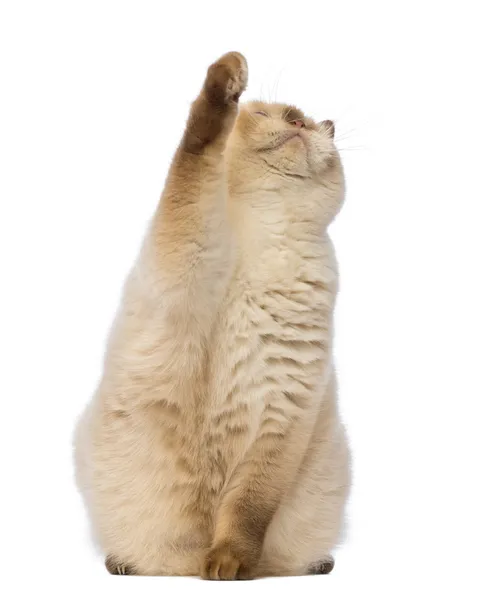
pixel 271 337
pixel 279 300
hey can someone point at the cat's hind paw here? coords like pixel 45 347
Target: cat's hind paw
pixel 321 567
pixel 116 567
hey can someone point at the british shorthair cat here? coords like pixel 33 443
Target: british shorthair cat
pixel 213 445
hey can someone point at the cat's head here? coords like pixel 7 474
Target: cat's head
pixel 278 145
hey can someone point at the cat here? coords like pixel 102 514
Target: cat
pixel 213 445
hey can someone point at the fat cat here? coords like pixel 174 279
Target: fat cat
pixel 213 444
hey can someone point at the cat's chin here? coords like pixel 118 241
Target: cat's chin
pixel 283 140
pixel 294 137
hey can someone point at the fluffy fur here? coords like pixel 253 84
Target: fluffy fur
pixel 213 445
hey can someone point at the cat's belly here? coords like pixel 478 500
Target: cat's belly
pixel 269 363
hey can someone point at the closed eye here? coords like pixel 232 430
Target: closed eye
pixel 261 112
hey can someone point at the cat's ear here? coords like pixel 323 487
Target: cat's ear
pixel 328 126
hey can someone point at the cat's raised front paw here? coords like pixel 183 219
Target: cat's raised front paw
pixel 227 78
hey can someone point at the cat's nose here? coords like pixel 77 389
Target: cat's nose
pixel 298 123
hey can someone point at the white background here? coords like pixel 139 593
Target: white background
pixel 94 97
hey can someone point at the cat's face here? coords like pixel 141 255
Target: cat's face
pixel 276 146
pixel 285 139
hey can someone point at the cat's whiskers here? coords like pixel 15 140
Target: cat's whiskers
pixel 351 148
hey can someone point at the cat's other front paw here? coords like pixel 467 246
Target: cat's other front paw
pixel 225 562
pixel 227 78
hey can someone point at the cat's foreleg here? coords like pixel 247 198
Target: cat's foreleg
pixel 252 498
pixel 187 259
pixel 190 229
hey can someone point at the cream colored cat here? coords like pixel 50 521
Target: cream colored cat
pixel 213 445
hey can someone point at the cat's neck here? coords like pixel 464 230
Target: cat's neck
pixel 270 239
